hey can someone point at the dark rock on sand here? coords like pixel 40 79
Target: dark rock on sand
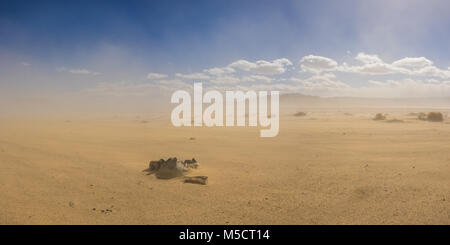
pixel 171 168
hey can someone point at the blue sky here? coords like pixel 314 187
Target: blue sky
pixel 95 45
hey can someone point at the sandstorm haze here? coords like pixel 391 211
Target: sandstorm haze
pixel 364 127
pixel 137 54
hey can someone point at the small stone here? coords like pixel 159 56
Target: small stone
pixel 203 180
pixel 71 204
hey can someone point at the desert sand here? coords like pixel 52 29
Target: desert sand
pixel 326 167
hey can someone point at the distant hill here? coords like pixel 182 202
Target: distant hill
pixel 296 100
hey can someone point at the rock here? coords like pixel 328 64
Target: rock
pixel 155 165
pixel 191 163
pixel 203 180
pixel 71 204
pixel 171 168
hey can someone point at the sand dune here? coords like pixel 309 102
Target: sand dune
pixel 323 168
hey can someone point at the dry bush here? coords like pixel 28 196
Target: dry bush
pixel 435 117
pixel 300 114
pixel 379 117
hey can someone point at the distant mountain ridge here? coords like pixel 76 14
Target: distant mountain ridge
pixel 297 99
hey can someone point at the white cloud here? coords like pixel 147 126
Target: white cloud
pixel 413 62
pixel 377 68
pixel 259 87
pixel 271 68
pixel 409 76
pixel 225 79
pixel 257 78
pixel 402 88
pixel 277 66
pixel 371 68
pixel 431 71
pixel 368 58
pixel 83 72
pixel 78 71
pixel 414 77
pixel 234 79
pixel 219 71
pixel 243 65
pixel 412 66
pixel 316 64
pixel 156 76
pixel 126 88
pixel 376 83
pixel 25 64
pixel 193 76
pixel 174 84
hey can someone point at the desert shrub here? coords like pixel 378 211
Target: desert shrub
pixel 379 116
pixel 435 117
pixel 300 114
